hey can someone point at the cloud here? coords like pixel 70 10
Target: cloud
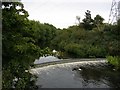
pixel 62 13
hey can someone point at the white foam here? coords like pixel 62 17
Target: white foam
pixel 65 65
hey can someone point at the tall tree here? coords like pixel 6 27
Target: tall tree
pixel 98 21
pixel 19 48
pixel 88 21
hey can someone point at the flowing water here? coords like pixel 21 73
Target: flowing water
pixel 79 74
pixel 46 59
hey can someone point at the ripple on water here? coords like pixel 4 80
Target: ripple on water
pixel 63 75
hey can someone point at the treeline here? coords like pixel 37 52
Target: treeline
pixel 91 38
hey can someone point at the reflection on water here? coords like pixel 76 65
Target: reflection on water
pixel 77 75
pixel 98 74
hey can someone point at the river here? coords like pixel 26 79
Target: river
pixel 76 73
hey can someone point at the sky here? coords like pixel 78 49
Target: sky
pixel 62 13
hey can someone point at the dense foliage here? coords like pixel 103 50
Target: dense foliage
pixel 100 40
pixel 43 33
pixel 23 41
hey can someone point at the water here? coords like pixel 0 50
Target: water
pixel 84 74
pixel 46 59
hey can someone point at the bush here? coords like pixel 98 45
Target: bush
pixel 96 51
pixel 76 50
pixel 115 61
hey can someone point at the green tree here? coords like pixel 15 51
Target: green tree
pixel 98 22
pixel 19 47
pixel 88 21
pixel 42 33
pixel 98 19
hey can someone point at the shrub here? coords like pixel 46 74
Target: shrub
pixel 115 61
pixel 75 50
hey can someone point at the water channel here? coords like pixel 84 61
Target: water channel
pixel 77 73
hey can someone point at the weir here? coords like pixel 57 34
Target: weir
pixel 78 73
pixel 63 61
pixel 66 64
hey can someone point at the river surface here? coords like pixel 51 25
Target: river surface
pixel 78 74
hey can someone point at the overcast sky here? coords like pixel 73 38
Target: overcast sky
pixel 62 13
